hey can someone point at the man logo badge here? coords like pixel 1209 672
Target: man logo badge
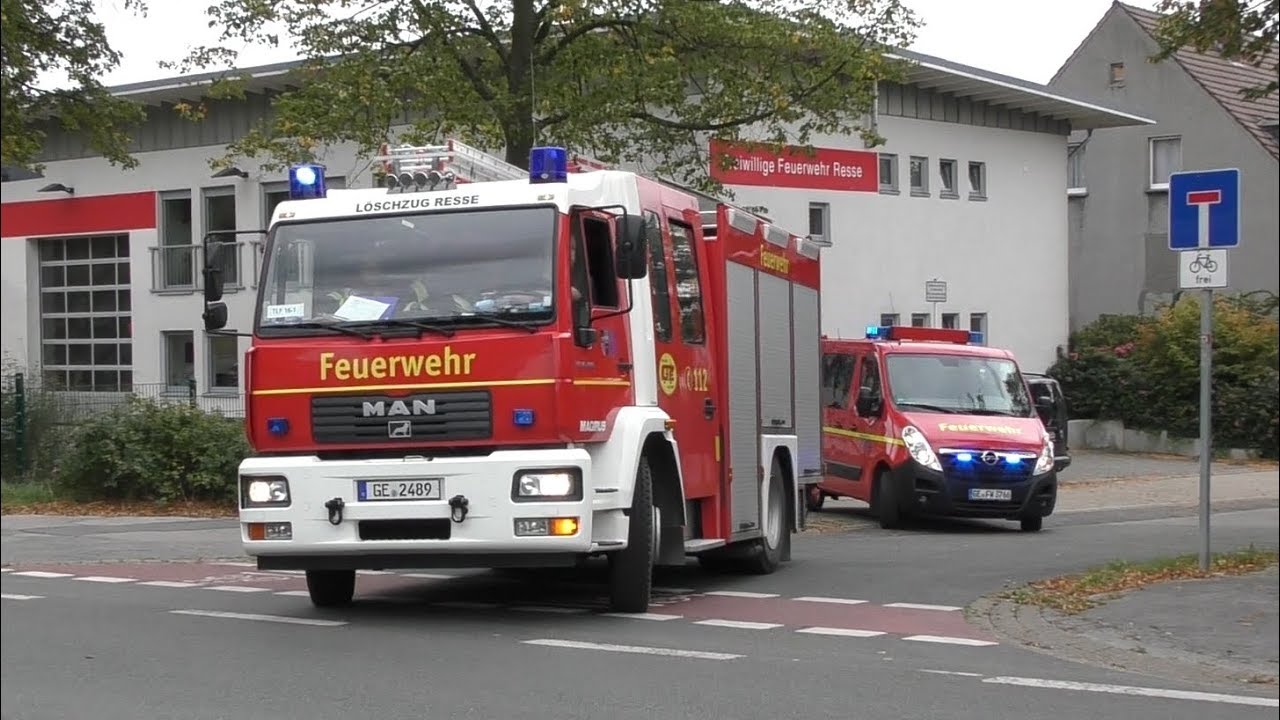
pixel 382 408
pixel 400 429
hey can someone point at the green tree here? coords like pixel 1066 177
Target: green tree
pixel 619 80
pixel 1243 30
pixel 46 40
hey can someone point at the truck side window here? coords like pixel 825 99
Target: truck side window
pixel 837 378
pixel 870 376
pixel 597 236
pixel 688 286
pixel 659 277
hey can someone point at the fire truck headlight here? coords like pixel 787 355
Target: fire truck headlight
pixel 264 492
pixel 919 448
pixel 531 485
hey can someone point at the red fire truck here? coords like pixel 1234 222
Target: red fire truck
pixel 479 366
pixel 929 421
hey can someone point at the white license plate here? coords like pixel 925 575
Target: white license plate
pixel 990 494
pixel 419 489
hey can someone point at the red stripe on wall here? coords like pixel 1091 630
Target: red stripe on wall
pixel 79 215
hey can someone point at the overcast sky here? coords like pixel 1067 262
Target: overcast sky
pixel 1029 39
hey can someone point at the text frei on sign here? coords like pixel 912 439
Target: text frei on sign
pixel 825 169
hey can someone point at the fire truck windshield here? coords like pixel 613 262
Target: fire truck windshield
pixel 958 384
pixel 446 268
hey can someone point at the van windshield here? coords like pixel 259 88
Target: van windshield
pixel 958 384
pixel 441 268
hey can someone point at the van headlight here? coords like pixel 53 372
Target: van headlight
pixel 919 448
pixel 1044 463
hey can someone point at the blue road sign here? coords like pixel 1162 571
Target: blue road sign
pixel 1204 202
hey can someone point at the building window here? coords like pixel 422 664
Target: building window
pixel 688 286
pixel 919 176
pixel 1165 159
pixel 173 263
pixel 1115 76
pixel 919 319
pixel 978 324
pixel 951 321
pixel 820 221
pixel 1075 168
pixel 224 363
pixel 977 180
pixel 889 173
pixel 220 214
pixel 887 319
pixel 179 359
pixel 84 313
pixel 947 175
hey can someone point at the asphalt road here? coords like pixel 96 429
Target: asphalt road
pixel 860 625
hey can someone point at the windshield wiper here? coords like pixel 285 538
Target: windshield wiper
pixel 396 322
pixel 327 326
pixel 925 406
pixel 985 411
pixel 493 318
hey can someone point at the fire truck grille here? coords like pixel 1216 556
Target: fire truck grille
pixel 417 418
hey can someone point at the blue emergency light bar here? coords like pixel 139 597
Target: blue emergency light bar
pixel 306 181
pixel 899 332
pixel 548 165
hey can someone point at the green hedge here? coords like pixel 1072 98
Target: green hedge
pixel 1145 371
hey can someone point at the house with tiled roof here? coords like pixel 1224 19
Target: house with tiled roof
pixel 1119 261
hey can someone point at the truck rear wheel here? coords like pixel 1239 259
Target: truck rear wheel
pixel 776 540
pixel 331 588
pixel 631 570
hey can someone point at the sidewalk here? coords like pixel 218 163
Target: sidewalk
pixel 1178 491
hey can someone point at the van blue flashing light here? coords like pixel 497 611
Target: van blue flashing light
pixel 278 426
pixel 876 332
pixel 975 337
pixel 1013 460
pixel 964 457
pixel 548 165
pixel 522 417
pixel 306 181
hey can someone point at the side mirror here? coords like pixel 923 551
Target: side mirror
pixel 1044 407
pixel 583 335
pixel 631 260
pixel 215 316
pixel 868 404
pixel 212 271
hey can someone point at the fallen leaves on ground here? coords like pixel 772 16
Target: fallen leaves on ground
pixel 1073 594
pixel 122 508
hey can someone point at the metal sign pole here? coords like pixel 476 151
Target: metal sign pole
pixel 1206 419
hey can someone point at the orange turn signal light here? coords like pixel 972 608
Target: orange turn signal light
pixel 564 526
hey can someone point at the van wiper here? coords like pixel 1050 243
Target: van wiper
pixel 328 326
pixel 396 322
pixel 985 411
pixel 924 406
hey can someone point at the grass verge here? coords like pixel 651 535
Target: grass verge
pixel 1073 594
pixel 40 498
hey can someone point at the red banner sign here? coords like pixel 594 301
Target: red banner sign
pixel 825 169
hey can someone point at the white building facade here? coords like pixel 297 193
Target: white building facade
pixel 101 289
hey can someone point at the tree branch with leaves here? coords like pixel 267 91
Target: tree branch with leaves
pixel 1246 31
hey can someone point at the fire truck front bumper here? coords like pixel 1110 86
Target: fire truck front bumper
pixel 508 508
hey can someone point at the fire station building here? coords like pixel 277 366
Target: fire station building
pixel 959 220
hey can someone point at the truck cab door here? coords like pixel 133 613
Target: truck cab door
pixel 840 465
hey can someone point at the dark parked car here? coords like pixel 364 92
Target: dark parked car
pixel 1052 406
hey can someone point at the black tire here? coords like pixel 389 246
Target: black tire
pixel 331 588
pixel 1031 523
pixel 631 570
pixel 814 499
pixel 888 505
pixel 768 553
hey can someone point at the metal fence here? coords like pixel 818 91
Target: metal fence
pixel 34 416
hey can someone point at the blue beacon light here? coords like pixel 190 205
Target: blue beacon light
pixel 964 457
pixel 548 165
pixel 522 417
pixel 278 426
pixel 306 181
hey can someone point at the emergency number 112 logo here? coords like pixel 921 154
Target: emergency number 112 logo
pixel 668 374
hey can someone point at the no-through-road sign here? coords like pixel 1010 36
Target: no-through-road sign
pixel 1204 209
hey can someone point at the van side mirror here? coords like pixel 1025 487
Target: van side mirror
pixel 630 259
pixel 1045 407
pixel 215 316
pixel 868 403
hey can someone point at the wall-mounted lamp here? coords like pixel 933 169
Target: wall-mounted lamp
pixel 231 172
pixel 57 187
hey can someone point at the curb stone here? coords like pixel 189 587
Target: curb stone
pixel 1036 629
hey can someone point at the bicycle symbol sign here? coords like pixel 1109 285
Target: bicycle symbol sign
pixel 1203 268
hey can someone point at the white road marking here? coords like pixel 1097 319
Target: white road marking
pixel 294 593
pixel 169 584
pixel 1139 691
pixel 922 606
pixel 643 616
pixel 372 572
pixel 466 604
pixel 263 618
pixel 634 649
pixel 43 574
pixel 428 576
pixel 105 579
pixel 740 624
pixel 552 609
pixel 945 640
pixel 15 596
pixel 952 672
pixel 238 588
pixel 841 632
pixel 740 594
pixel 5 570
pixel 238 564
pixel 831 600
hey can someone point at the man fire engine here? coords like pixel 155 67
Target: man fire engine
pixel 479 366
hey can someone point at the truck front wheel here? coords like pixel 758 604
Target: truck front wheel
pixel 631 570
pixel 331 588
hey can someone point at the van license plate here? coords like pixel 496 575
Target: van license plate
pixel 422 489
pixel 990 494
